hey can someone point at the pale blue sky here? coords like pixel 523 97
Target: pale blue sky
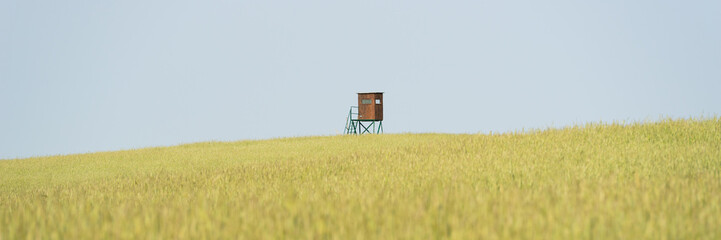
pixel 84 76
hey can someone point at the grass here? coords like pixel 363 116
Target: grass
pixel 610 181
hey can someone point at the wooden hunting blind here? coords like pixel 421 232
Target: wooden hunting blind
pixel 367 117
pixel 370 106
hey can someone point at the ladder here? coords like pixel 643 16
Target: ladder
pixel 351 124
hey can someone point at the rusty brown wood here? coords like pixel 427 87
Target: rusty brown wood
pixel 370 106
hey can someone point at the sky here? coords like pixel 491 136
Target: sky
pixel 86 76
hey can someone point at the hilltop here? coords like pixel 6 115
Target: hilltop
pixel 629 181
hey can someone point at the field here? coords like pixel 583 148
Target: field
pixel 658 180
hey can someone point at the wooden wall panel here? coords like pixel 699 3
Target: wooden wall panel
pixel 370 106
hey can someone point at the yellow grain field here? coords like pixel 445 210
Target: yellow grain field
pixel 600 181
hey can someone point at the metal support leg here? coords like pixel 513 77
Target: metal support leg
pixel 356 126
